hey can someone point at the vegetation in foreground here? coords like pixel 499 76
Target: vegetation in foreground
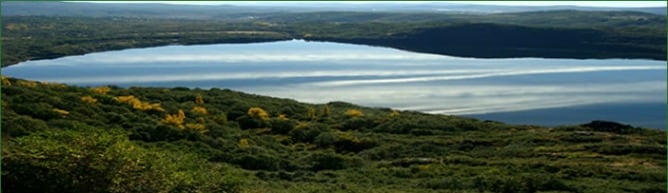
pixel 59 138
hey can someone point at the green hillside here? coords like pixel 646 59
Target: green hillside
pixel 59 138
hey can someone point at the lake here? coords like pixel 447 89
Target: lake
pixel 536 91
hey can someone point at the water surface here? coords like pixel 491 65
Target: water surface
pixel 521 90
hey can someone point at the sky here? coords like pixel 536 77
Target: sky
pixel 510 3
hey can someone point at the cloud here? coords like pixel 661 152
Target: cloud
pixel 366 76
pixel 475 99
pixel 205 76
pixel 207 54
pixel 487 75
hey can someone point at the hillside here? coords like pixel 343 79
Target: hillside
pixel 60 138
pixel 547 34
pixel 486 40
pixel 234 10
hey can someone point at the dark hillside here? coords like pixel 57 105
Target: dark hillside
pixel 231 10
pixel 548 34
pixel 504 41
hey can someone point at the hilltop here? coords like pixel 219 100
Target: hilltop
pixel 548 33
pixel 60 138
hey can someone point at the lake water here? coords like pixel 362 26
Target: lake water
pixel 522 90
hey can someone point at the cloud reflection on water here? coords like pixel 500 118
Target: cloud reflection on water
pixel 323 72
pixel 477 99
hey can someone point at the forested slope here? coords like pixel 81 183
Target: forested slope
pixel 59 138
pixel 550 34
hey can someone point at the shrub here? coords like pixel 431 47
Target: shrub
pixel 258 162
pixel 517 183
pixel 352 113
pixel 175 119
pixel 196 127
pixel 36 110
pixel 358 123
pixel 326 161
pixel 138 104
pixel 608 126
pixel 22 125
pixel 346 142
pixel 101 90
pixel 306 132
pixel 325 140
pixel 623 149
pixel 247 122
pixel 90 160
pixel 443 183
pixel 199 110
pixel 221 119
pixel 258 113
pixel 89 99
pixel 282 126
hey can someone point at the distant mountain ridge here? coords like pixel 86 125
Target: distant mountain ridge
pixel 239 11
pixel 41 30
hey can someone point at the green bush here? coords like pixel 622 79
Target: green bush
pixel 36 110
pixel 623 149
pixel 358 123
pixel 325 140
pixel 517 183
pixel 90 160
pixel 307 132
pixel 246 122
pixel 346 142
pixel 279 126
pixel 326 161
pixel 406 123
pixel 452 183
pixel 21 125
pixel 258 162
